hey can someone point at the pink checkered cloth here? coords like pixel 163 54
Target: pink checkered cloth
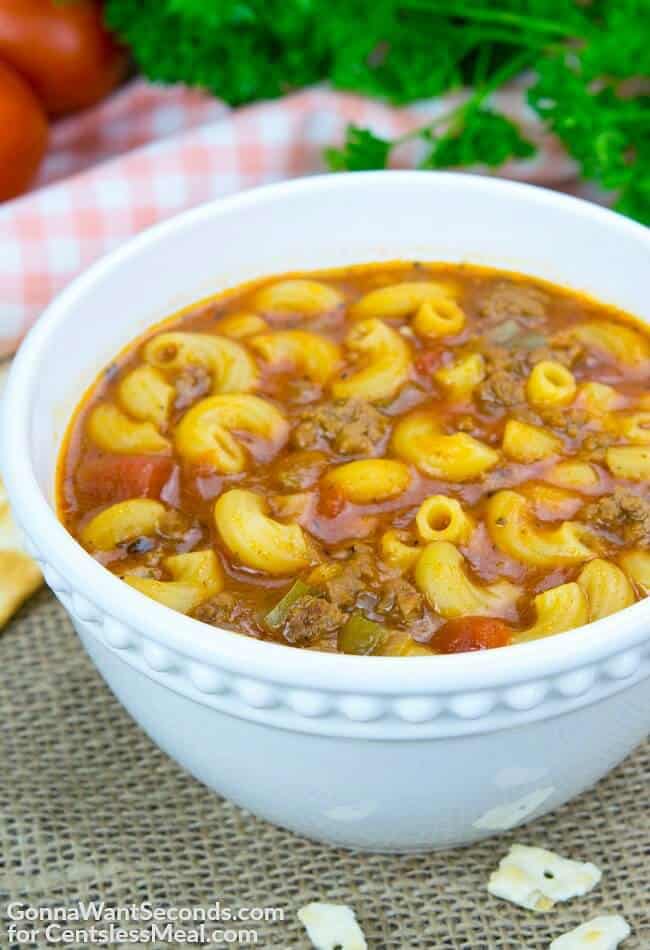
pixel 149 152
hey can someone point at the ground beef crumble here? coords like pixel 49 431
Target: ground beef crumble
pixel 311 618
pixel 623 514
pixel 573 422
pixel 299 470
pixel 507 300
pixel 357 573
pixel 595 444
pixel 401 598
pixel 351 427
pixel 222 609
pixel 501 388
pixel 508 370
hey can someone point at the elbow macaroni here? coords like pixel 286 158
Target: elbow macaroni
pixel 197 576
pixel 558 609
pixel 440 574
pixel 636 565
pixel 232 368
pixel 513 531
pixel 455 458
pixel 527 443
pixel 310 354
pixel 622 343
pixel 461 378
pixel 121 522
pixel 111 430
pixel 387 363
pixel 573 475
pixel 400 300
pixel 369 481
pixel 440 518
pixel 307 297
pixel 438 318
pixel 146 395
pixel 397 553
pixel 240 326
pixel 436 312
pixel 629 461
pixel 606 588
pixel 255 539
pixel 633 426
pixel 204 435
pixel 550 385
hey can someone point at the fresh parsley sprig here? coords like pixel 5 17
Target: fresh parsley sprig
pixel 469 134
pixel 591 60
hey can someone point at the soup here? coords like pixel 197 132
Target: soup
pixel 396 459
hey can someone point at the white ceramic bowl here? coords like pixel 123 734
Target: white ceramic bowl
pixel 374 753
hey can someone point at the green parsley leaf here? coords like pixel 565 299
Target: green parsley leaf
pixel 602 128
pixel 484 137
pixel 362 151
pixel 591 60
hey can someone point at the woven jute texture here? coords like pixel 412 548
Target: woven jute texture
pixel 90 809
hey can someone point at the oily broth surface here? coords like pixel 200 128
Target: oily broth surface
pixel 193 489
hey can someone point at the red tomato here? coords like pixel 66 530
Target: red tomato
pixel 118 477
pixel 470 633
pixel 63 49
pixel 23 133
pixel 427 361
pixel 331 501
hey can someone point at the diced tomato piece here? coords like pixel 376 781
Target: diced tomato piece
pixel 112 478
pixel 428 360
pixel 470 633
pixel 331 501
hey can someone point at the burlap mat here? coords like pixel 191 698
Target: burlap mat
pixel 90 809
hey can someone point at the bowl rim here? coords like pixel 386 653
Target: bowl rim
pixel 224 649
